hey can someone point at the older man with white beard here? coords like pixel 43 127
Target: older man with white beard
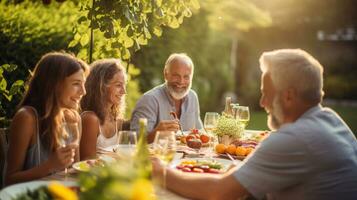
pixel 310 154
pixel 175 95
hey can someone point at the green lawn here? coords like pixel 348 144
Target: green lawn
pixel 258 119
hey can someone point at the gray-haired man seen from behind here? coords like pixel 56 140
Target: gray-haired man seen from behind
pixel 310 154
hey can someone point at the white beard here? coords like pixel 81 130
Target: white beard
pixel 178 95
pixel 276 115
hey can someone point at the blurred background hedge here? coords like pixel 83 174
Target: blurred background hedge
pixel 223 39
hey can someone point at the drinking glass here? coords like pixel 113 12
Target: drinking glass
pixel 210 125
pixel 69 134
pixel 126 143
pixel 243 115
pixel 165 149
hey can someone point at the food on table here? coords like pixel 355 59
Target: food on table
pixel 194 143
pixel 198 139
pixel 204 138
pixel 220 148
pixel 258 137
pixel 241 151
pixel 231 149
pixel 88 164
pixel 238 147
pixel 196 166
pixel 183 140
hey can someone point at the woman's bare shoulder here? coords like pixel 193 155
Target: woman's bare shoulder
pixel 24 122
pixel 90 117
pixel 25 115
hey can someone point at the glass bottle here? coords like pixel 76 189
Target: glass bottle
pixel 142 154
pixel 228 108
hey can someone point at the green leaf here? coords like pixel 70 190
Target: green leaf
pixel 77 37
pixel 137 45
pixel 142 40
pixel 174 23
pixel 9 67
pixel 16 87
pixel 73 43
pixel 125 53
pixel 157 31
pixel 187 13
pixel 128 42
pixel 3 85
pixel 147 33
pixel 84 40
pixel 81 19
pixel 5 66
pixel 159 13
pixel 8 97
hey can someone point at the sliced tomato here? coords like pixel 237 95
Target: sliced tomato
pixel 204 167
pixel 197 170
pixel 186 169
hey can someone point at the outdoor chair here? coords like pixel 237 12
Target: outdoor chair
pixel 3 151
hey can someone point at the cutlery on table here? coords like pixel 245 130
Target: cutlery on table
pixel 232 159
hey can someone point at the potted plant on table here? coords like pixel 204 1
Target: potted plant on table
pixel 228 129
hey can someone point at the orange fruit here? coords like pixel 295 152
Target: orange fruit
pixel 183 140
pixel 231 149
pixel 249 150
pixel 204 138
pixel 220 148
pixel 190 137
pixel 241 151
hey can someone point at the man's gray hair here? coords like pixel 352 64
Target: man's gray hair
pixel 294 68
pixel 181 57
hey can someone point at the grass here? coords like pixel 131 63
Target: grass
pixel 258 119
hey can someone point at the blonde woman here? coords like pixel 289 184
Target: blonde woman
pixel 103 106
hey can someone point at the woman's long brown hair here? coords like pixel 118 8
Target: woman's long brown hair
pixel 44 90
pixel 102 71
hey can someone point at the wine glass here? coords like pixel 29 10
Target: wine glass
pixel 243 115
pixel 126 143
pixel 68 135
pixel 165 149
pixel 210 125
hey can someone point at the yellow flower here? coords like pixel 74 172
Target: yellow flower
pixel 61 192
pixel 143 190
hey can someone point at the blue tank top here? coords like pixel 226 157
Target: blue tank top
pixel 37 153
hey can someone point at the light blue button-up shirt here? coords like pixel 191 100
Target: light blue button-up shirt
pixel 314 157
pixel 156 105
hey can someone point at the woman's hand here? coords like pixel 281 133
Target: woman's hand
pixel 62 157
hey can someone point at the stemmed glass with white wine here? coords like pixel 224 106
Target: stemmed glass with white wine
pixel 210 124
pixel 68 135
pixel 165 148
pixel 243 115
pixel 126 143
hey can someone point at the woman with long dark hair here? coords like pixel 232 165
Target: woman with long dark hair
pixel 52 99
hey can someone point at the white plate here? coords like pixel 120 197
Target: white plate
pixel 13 191
pixel 225 163
pixel 83 166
